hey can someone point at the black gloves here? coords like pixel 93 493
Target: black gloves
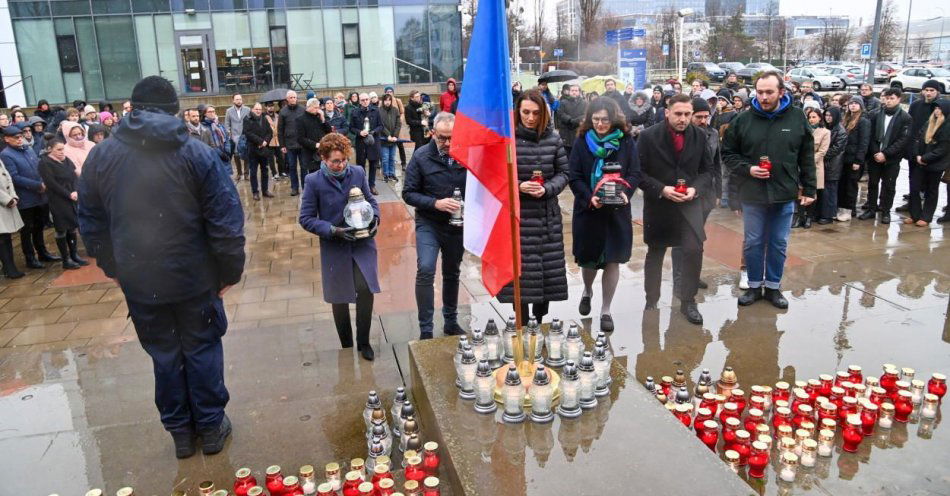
pixel 348 233
pixel 373 227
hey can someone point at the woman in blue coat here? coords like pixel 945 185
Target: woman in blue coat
pixel 603 235
pixel 348 264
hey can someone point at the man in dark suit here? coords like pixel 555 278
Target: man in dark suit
pixel 890 136
pixel 670 151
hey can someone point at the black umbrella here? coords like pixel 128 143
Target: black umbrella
pixel 274 95
pixel 557 76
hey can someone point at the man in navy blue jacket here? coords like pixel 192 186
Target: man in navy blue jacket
pixel 160 214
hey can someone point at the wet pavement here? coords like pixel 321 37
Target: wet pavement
pixel 76 407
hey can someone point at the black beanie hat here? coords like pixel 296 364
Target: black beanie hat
pixel 931 83
pixel 156 93
pixel 700 105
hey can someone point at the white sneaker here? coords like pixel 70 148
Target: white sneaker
pixel 743 280
pixel 844 215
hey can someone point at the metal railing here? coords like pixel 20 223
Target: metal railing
pixel 21 80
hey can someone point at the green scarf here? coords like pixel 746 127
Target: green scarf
pixel 601 148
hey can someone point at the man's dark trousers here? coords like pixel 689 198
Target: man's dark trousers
pixel 689 260
pixel 885 174
pixel 184 341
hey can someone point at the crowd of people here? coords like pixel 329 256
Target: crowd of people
pixel 152 191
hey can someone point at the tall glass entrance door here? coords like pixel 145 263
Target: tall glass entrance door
pixel 196 63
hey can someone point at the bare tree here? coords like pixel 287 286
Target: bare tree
pixel 662 33
pixel 771 14
pixel 468 22
pixel 728 38
pixel 919 47
pixel 538 30
pixel 889 39
pixel 590 18
pixel 838 41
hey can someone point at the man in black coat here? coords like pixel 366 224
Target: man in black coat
pixel 431 178
pixel 570 114
pixel 366 125
pixel 415 119
pixel 670 151
pixel 287 137
pixel 159 212
pixel 890 138
pixel 311 128
pixel 920 112
pixel 610 87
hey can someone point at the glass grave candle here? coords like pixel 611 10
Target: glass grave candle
pixel 917 390
pixel 804 413
pixel 830 424
pixel 573 345
pixel 767 394
pixel 885 418
pixel 650 384
pixel 743 446
pixel 728 380
pixel 333 475
pixel 431 487
pixel 765 439
pixel 787 445
pixel 709 434
pixel 478 344
pixel 809 426
pixel 372 403
pixel 841 376
pixel 414 443
pixel 702 384
pixel 588 378
pixel 929 407
pixel 901 386
pixel 292 486
pixel 827 382
pixel 789 467
pixel 889 381
pixel 852 435
pixel 205 488
pixel 602 369
pixel 732 460
pixel 358 465
pixel 757 402
pixel 763 430
pixel 753 419
pixel 412 488
pixel 837 397
pixel 385 487
pixel 375 451
pixel 729 429
pixel 709 401
pixel 729 409
pixel 533 330
pixel 666 385
pixel 904 406
pixel 680 187
pixel 274 480
pixel 782 391
pixel 407 411
pixel 702 415
pixel 799 397
pixel 871 382
pixel 826 442
pixel 907 374
pixel 243 481
pixel 860 391
pixel 738 397
pixel 351 487
pixel 800 436
pixel 879 395
pixel 569 406
pixel 785 431
pixel 809 453
pixel 494 349
pixel 409 427
pixel 758 460
pixel 457 359
pixel 782 416
pixel 380 472
pixel 307 480
pixel 366 489
pixel 542 396
pixel 414 470
pixel 681 412
pixel 758 391
pixel 398 401
pixel 508 340
pixel 869 414
pixel 937 385
pixel 325 489
pixel 484 388
pixel 513 395
pixel 467 371
pixel 554 342
pixel 849 406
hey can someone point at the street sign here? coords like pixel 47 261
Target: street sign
pixel 696 54
pixel 633 67
pixel 614 36
pixel 558 52
pixel 666 49
pixel 866 51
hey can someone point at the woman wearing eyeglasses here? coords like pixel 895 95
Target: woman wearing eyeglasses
pixel 539 150
pixel 348 263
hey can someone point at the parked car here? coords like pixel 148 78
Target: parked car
pixel 710 69
pixel 820 79
pixel 890 68
pixel 849 76
pixel 913 78
pixel 748 72
pixel 732 66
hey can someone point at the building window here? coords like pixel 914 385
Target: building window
pixel 68 53
pixel 351 41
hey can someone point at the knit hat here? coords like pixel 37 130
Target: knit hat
pixel 725 93
pixel 310 94
pixel 707 94
pixel 105 114
pixel 155 93
pixel 858 100
pixel 89 109
pixel 811 104
pixel 932 84
pixel 388 89
pixel 700 105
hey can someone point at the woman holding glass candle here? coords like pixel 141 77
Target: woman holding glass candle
pixel 542 175
pixel 349 263
pixel 603 235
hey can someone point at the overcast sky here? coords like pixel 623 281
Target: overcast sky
pixel 864 9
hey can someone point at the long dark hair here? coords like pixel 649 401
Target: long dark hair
pixel 535 96
pixel 616 116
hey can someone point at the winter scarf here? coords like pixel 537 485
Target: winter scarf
pixel 601 148
pixel 329 172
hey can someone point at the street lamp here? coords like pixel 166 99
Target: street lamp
pixel 681 14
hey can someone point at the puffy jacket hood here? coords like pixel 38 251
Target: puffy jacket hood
pixel 152 130
pixel 783 105
pixel 835 117
pixel 452 81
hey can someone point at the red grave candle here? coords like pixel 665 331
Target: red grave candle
pixel 758 460
pixel 782 416
pixel 878 395
pixel 852 434
pixel 292 486
pixel 765 163
pixel 889 380
pixel 753 419
pixel 709 434
pixel 430 458
pixel 414 470
pixel 782 391
pixel 743 446
pixel 856 375
pixel 709 401
pixel 274 481
pixel 352 485
pixel 904 406
pixel 243 480
pixel 729 429
pixel 702 414
pixel 680 186
pixel 869 418
pixel 729 409
pixel 537 177
pixel 937 385
pixel 826 384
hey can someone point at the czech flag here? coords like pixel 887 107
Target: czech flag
pixel 482 142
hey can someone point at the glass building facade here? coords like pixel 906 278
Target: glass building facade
pixel 98 49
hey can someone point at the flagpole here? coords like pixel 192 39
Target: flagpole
pixel 518 347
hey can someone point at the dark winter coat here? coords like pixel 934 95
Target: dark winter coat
pixel 257 132
pixel 159 212
pixel 621 101
pixel 834 157
pixel 715 151
pixel 60 180
pixel 919 112
pixel 338 122
pixel 569 116
pixel 23 166
pixel 543 273
pixel 662 218
pixel 786 138
pixel 375 128
pixel 856 149
pixel 311 128
pixel 390 119
pixel 936 155
pixel 324 199
pixel 602 235
pixel 287 126
pixel 414 121
pixel 893 141
pixel 430 177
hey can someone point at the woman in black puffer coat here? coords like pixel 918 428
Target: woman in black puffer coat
pixel 858 126
pixel 539 148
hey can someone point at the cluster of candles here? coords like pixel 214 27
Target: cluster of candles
pixel 803 418
pixel 421 474
pixel 585 375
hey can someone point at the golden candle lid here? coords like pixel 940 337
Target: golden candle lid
pixel 825 377
pixel 905 394
pixel 854 419
pixel 357 463
pixel 871 380
pixel 355 192
pixel 290 480
pixel 272 470
pixel 801 434
pixel 759 445
pixel 931 398
pixel 737 392
pixel 837 390
pixel 258 490
pixel 205 487
pixel 860 389
pixel 767 389
pixel 757 389
pixel 783 410
pixel 378 414
pixel 886 366
pixel 902 384
pixel 709 397
pixel 814 383
pixel 742 434
pixel 242 473
pixel 397 494
pixel 125 491
pixel 414 460
pixel 220 492
pixel 887 407
pixel 732 422
pixel 731 405
pixel 785 430
pixel 720 398
pixel 801 384
pixel 800 393
pixel 409 454
pixel 917 384
pixel 666 379
pixel 907 371
pixel 787 443
pixel 411 485
pixel 870 406
pixel 380 468
pixel 828 423
pixel 826 434
pixel 732 456
pixel 805 408
pixel 850 400
pixel 332 467
pixel 789 458
pixel 670 406
pixel 878 390
pixel 94 492
pixel 681 408
pixel 306 471
pixel 365 487
pixel 939 377
pixel 703 411
pixel 854 369
pixel 728 376
pixel 809 445
pixel 782 386
pixel 808 425
pixel 386 483
pixel 384 459
pixel 762 429
pixel 710 424
pixel 353 475
pixel 680 378
pixel 892 371
pixel 431 482
pixel 324 487
pixel 765 439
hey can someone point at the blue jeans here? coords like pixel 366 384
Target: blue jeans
pixel 293 160
pixel 432 238
pixel 388 158
pixel 767 227
pixel 184 341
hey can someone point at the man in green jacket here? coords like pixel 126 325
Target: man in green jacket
pixel 773 128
